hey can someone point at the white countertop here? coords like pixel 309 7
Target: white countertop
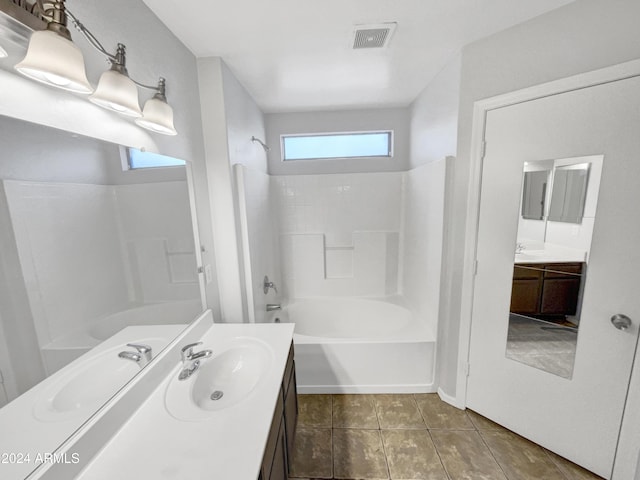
pixel 551 254
pixel 227 446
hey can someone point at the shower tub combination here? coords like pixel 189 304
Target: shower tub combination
pixel 360 345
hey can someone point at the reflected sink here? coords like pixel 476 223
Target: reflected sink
pixel 226 379
pixel 88 384
pixel 530 255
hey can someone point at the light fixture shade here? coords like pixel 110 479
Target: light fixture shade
pixel 56 61
pixel 157 116
pixel 118 93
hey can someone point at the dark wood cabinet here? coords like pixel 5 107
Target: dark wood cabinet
pixel 277 454
pixel 546 289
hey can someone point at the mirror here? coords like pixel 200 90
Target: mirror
pixel 93 257
pixel 569 193
pixel 534 193
pixel 558 206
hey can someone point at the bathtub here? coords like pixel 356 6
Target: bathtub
pixel 74 344
pixel 360 345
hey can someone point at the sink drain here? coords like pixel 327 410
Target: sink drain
pixel 217 395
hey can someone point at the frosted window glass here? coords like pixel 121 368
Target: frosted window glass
pixel 341 145
pixel 140 159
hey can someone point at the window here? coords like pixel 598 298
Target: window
pixel 138 159
pixel 337 145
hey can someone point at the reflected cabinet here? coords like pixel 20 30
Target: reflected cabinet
pixel 546 290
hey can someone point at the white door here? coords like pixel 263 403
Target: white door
pixel 578 418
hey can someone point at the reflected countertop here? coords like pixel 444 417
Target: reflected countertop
pixel 551 254
pixel 34 436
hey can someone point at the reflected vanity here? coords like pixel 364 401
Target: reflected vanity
pixel 558 206
pixel 97 260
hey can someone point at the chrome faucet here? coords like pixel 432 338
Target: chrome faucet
pixel 519 247
pixel 142 356
pixel 272 307
pixel 191 360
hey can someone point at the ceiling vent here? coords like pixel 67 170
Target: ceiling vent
pixel 373 36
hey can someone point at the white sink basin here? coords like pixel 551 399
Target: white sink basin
pixel 530 255
pixel 89 384
pixel 230 376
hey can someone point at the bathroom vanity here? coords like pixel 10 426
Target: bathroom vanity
pixel 546 289
pixel 183 431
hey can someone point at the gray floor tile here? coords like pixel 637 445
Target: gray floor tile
pixel 519 458
pixel 398 411
pixel 465 455
pixel 411 455
pixel 312 454
pixel 440 415
pixel 354 411
pixel 358 454
pixel 314 410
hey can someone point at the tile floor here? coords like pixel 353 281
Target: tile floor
pixel 413 437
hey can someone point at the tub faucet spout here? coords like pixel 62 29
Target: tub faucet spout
pixel 272 307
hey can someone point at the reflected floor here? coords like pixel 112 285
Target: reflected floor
pixel 544 345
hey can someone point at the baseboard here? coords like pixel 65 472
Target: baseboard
pixel 449 399
pixel 399 389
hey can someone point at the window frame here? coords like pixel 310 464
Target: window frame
pixel 389 132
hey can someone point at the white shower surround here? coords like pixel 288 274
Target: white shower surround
pixel 361 327
pixel 360 345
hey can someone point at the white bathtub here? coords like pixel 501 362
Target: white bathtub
pixel 72 345
pixel 360 345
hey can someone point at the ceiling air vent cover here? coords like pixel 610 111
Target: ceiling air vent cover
pixel 373 36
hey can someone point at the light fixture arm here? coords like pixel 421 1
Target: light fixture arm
pixel 91 38
pixel 160 89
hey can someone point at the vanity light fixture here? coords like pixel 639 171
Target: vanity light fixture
pixel 54 59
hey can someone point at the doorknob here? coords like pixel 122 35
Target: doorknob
pixel 620 321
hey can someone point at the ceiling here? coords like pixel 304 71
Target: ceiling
pixel 296 55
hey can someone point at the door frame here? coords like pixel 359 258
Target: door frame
pixel 480 109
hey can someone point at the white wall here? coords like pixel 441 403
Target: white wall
pixel 340 233
pixel 434 117
pixel 422 243
pixel 229 118
pixel 68 242
pixel 396 119
pixel 156 242
pixel 21 368
pixel 579 37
